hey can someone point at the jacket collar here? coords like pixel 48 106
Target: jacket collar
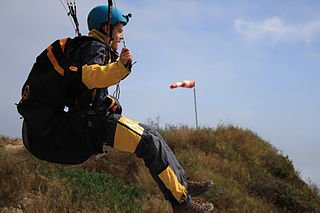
pixel 94 33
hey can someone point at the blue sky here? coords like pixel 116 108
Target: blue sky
pixel 255 63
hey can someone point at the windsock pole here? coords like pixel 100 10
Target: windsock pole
pixel 195 105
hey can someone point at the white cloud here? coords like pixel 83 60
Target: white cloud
pixel 277 30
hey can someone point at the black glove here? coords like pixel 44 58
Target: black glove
pixel 113 104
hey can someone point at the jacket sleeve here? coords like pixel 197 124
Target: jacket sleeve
pixel 94 73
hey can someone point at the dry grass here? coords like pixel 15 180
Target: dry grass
pixel 250 175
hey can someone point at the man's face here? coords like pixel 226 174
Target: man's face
pixel 117 35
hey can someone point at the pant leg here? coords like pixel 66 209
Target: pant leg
pixel 146 143
pixel 177 165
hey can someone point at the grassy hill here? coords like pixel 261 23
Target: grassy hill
pixel 250 175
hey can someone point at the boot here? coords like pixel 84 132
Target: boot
pixel 192 206
pixel 196 188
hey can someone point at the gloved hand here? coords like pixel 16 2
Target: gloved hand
pixel 113 105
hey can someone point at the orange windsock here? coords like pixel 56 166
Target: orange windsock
pixel 186 84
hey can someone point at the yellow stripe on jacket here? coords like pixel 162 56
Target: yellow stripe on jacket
pixel 97 76
pixel 54 61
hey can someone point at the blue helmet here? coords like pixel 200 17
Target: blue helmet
pixel 98 16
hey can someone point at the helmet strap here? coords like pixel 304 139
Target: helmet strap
pixel 108 27
pixel 103 30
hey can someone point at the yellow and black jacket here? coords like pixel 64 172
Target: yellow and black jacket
pixel 64 75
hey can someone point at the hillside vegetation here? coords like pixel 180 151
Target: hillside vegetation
pixel 250 175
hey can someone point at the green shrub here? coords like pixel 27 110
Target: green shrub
pixel 99 188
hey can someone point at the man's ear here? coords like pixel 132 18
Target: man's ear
pixel 104 28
